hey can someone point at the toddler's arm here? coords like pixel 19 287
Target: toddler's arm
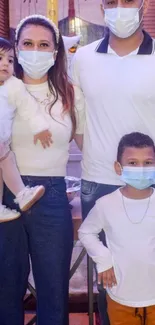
pixel 28 108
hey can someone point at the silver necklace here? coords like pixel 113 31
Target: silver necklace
pixel 145 213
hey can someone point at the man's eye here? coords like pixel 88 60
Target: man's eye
pixel 111 2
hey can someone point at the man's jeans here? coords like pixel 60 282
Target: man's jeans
pixel 90 192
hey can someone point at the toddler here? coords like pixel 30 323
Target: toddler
pixel 13 95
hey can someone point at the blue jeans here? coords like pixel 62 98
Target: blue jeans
pixel 45 233
pixel 90 192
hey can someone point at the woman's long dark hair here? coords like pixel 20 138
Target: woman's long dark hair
pixel 59 85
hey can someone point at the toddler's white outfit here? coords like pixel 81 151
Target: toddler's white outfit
pixel 13 94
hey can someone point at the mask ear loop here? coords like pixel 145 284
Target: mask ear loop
pixel 142 14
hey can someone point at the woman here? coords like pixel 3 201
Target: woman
pixel 45 232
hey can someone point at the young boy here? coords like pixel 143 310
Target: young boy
pixel 126 267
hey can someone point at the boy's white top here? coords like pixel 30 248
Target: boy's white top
pixel 13 95
pixel 131 246
pixel 33 159
pixel 120 98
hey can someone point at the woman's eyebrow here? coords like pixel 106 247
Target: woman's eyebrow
pixel 43 40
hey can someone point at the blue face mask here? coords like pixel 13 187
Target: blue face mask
pixel 138 177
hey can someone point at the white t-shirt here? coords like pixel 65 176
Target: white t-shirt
pixel 33 159
pixel 120 98
pixel 13 95
pixel 130 237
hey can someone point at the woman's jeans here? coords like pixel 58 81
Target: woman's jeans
pixel 45 232
pixel 90 192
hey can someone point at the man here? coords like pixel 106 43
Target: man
pixel 117 77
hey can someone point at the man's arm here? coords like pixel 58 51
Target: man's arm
pixel 79 140
pixel 79 103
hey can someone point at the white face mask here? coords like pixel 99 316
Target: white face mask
pixel 36 63
pixel 123 22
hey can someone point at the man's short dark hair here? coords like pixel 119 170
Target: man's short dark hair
pixel 5 45
pixel 136 140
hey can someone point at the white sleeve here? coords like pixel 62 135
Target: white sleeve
pixel 89 237
pixel 79 98
pixel 27 107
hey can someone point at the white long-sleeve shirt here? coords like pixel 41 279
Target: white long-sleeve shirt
pixel 130 246
pixel 14 96
pixel 33 159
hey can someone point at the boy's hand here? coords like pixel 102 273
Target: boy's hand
pixel 107 278
pixel 45 137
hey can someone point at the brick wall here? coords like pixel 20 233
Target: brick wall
pixel 4 18
pixel 149 19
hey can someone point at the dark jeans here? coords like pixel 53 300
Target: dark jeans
pixel 45 232
pixel 90 192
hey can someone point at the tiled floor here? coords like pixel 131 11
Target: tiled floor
pixel 75 319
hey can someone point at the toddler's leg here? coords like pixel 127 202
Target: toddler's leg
pixel 122 315
pixel 5 213
pixel 10 174
pixel 25 196
pixel 1 186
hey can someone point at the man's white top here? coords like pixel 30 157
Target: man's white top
pixel 120 98
pixel 131 246
pixel 33 159
pixel 13 95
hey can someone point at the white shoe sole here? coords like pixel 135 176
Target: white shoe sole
pixel 10 219
pixel 37 197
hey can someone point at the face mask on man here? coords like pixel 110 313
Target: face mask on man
pixel 123 22
pixel 36 63
pixel 138 177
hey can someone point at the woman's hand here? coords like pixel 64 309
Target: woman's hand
pixel 107 278
pixel 45 137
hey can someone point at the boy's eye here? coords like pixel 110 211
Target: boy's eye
pixel 133 163
pixel 148 163
pixel 11 61
pixel 0 58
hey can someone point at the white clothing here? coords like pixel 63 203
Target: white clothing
pixel 120 99
pixel 33 159
pixel 13 95
pixel 131 246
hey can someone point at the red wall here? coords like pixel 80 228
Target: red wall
pixel 149 19
pixel 4 18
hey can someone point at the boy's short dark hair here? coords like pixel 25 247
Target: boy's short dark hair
pixel 5 45
pixel 136 140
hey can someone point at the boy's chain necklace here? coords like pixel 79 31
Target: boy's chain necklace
pixel 145 213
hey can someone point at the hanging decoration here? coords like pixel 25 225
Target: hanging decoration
pixel 52 10
pixel 71 17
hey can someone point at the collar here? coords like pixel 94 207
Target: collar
pixel 147 46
